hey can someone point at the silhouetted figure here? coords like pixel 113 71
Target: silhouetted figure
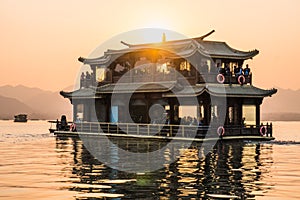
pixel 238 71
pixel 247 70
pixel 93 77
pixel 57 125
pixel 63 122
pixel 220 69
pixel 88 75
pixel 235 70
pixel 201 122
pixel 82 76
pixel 227 70
pixel 204 67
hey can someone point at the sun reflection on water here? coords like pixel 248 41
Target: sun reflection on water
pixel 42 166
pixel 230 170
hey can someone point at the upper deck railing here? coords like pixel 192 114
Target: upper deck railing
pixel 192 78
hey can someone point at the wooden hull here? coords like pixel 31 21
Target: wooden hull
pixel 51 130
pixel 20 120
pixel 168 132
pixel 165 138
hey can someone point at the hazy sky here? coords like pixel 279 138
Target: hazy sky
pixel 41 40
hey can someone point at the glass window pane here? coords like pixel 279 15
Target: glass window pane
pixel 249 113
pixel 100 74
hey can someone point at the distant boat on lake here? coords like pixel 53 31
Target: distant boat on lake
pixel 20 118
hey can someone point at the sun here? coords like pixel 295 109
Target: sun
pixel 158 23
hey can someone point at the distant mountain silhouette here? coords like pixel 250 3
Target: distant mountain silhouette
pixel 284 100
pixel 37 103
pixel 10 106
pixel 284 105
pixel 20 92
pixel 42 104
pixel 288 116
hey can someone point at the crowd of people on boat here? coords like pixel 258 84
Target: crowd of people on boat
pixel 237 70
pixel 86 79
pixel 191 121
pixel 87 75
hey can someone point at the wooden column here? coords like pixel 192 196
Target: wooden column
pixel 86 111
pixel 207 114
pixel 257 114
pixel 74 111
pixel 235 114
pixel 108 108
pixel 196 74
pixel 240 113
pixel 148 104
pixel 171 117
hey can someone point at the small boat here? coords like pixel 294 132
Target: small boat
pixel 20 118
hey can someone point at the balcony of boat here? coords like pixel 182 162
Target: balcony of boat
pixel 226 79
pixel 85 83
pixel 172 75
pixel 189 78
pixel 166 131
pixel 145 77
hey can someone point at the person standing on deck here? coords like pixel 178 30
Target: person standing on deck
pixel 247 70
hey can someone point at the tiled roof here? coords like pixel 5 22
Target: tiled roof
pixel 224 90
pixel 172 89
pixel 181 48
pixel 136 87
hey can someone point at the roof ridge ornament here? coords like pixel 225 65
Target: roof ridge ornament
pixel 204 36
pixel 126 44
pixel 164 39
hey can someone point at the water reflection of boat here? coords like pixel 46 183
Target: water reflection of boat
pixel 231 169
pixel 20 118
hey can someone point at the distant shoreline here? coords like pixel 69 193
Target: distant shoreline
pixel 268 117
pixel 287 116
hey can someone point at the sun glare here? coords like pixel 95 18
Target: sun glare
pixel 158 24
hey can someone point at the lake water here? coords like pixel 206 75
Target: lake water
pixel 36 165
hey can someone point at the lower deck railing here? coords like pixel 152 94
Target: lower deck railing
pixel 186 131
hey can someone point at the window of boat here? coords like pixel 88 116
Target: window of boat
pixel 200 112
pixel 162 67
pixel 185 66
pixel 249 113
pixel 219 63
pixel 188 115
pixel 214 112
pixel 205 65
pixel 230 114
pixel 232 64
pixel 100 73
pixel 114 115
pixel 120 68
pixel 79 114
pixel 143 66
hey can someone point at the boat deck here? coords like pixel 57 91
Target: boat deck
pixel 169 132
pixel 86 134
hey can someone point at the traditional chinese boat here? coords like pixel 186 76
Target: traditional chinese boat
pixel 184 89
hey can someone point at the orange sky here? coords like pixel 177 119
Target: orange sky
pixel 41 40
